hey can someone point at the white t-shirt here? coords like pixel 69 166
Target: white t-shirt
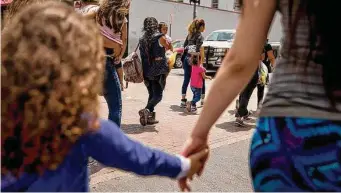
pixel 168 38
pixel 88 9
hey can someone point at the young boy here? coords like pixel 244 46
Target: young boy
pixel 197 76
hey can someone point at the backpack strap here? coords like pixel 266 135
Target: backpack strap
pixel 137 47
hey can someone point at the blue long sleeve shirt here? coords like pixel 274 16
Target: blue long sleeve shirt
pixel 111 147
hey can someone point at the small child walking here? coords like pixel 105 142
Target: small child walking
pixel 197 76
pixel 49 108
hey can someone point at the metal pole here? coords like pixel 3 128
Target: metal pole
pixel 170 25
pixel 195 9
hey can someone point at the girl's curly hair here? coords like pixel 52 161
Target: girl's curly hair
pixel 17 5
pixel 51 72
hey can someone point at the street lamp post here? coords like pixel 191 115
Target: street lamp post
pixel 195 7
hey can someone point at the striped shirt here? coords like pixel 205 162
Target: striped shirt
pixel 105 30
pixel 297 90
pixel 110 34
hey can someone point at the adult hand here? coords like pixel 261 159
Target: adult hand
pixel 193 145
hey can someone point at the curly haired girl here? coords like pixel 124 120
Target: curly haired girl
pixel 17 5
pixel 49 118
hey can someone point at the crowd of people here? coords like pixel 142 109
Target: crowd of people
pixel 56 61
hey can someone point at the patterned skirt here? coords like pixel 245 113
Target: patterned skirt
pixel 296 154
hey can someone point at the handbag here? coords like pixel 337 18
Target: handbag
pixel 132 68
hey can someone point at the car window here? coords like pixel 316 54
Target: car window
pixel 178 44
pixel 220 36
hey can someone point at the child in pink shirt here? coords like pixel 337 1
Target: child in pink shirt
pixel 197 76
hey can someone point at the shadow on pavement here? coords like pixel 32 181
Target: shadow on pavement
pixel 137 128
pixel 182 111
pixel 177 108
pixel 232 112
pixel 231 127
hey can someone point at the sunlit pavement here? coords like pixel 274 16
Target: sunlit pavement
pixel 229 143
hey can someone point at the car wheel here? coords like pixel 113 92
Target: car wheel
pixel 178 62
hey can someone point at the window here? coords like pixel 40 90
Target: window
pixel 236 5
pixel 178 44
pixel 220 36
pixel 215 4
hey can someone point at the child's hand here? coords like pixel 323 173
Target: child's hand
pixel 209 77
pixel 197 162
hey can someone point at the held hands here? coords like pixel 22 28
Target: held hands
pixel 196 149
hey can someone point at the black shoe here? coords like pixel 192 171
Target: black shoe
pixel 247 117
pixel 144 114
pixel 151 119
pixel 239 122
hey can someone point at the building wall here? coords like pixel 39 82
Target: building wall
pixel 223 4
pixel 182 15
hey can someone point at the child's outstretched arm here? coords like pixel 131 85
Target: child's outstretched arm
pixel 111 147
pixel 204 76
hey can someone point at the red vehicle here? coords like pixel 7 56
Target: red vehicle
pixel 178 47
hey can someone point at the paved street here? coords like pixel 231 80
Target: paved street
pixel 227 170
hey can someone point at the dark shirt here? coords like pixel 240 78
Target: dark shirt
pixel 266 61
pixel 153 57
pixel 267 47
pixel 196 39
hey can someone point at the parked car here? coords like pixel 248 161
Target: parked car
pixel 178 48
pixel 216 45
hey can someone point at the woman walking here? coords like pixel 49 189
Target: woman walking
pixel 111 17
pixel 296 145
pixel 153 46
pixel 194 40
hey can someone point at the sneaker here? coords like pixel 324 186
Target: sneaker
pixel 144 114
pixel 183 103
pixel 239 122
pixel 193 109
pixel 247 117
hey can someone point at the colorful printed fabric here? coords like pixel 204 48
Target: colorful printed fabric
pixel 296 154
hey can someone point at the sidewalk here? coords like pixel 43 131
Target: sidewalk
pixel 226 171
pixel 175 124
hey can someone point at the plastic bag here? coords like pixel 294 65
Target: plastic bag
pixel 262 73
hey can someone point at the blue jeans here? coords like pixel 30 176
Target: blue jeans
pixel 187 77
pixel 112 90
pixel 196 95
